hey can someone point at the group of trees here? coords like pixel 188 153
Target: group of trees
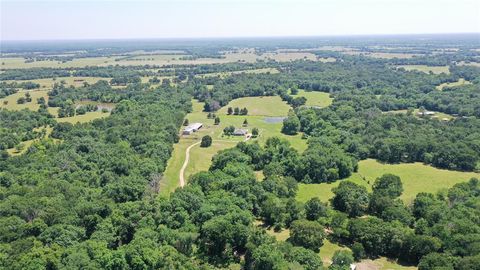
pixel 237 111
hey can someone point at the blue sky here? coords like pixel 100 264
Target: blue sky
pixel 106 19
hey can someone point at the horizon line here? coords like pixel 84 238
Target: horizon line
pixel 240 37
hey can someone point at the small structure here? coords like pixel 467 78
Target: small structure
pixel 426 113
pixel 240 132
pixel 192 128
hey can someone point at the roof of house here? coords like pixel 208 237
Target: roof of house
pixel 193 126
pixel 240 131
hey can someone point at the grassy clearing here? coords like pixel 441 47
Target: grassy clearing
pixel 259 106
pixel 416 178
pixel 327 250
pixel 426 69
pixel 382 263
pixel 314 98
pixel 12 100
pixel 200 158
pixel 27 144
pixel 89 116
pixel 437 115
pixel 460 82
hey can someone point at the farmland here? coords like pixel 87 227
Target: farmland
pixel 315 98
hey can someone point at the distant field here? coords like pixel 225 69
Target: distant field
pixel 426 69
pixel 160 59
pixel 460 82
pixel 416 177
pixel 247 71
pixel 12 100
pixel 74 81
pixel 89 116
pixel 384 55
pixel 315 98
pixel 259 106
pixel 437 115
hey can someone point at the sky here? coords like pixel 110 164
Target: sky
pixel 124 19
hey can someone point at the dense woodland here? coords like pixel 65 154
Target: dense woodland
pixel 86 196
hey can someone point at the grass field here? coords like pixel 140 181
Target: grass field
pixel 89 116
pixel 416 177
pixel 460 82
pixel 12 100
pixel 426 69
pixel 314 98
pixel 259 106
pixel 437 115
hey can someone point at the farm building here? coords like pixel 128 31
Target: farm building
pixel 240 132
pixel 192 128
pixel 426 113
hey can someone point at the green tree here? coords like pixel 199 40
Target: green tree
pixel 206 141
pixel 350 198
pixel 291 124
pixel 308 234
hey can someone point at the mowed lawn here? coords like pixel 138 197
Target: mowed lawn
pixel 416 178
pixel 315 98
pixel 427 69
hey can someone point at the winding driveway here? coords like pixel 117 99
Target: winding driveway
pixel 185 164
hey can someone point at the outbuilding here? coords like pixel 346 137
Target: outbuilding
pixel 192 128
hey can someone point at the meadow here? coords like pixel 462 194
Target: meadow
pixel 426 69
pixel 460 82
pixel 315 98
pixel 416 178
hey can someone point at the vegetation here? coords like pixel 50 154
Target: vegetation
pixel 330 177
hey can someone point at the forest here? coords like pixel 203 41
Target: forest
pixel 87 195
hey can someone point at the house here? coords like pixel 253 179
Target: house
pixel 240 132
pixel 192 128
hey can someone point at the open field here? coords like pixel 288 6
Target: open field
pixel 437 115
pixel 27 144
pixel 426 69
pixel 158 60
pixel 259 106
pixel 315 98
pixel 382 263
pixel 416 178
pixel 460 82
pixel 87 117
pixel 200 158
pixel 12 100
pixel 247 71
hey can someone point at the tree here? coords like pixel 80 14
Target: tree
pixel 350 198
pixel 358 251
pixel 217 120
pixel 229 110
pixel 294 91
pixel 243 111
pixel 236 111
pixel 185 122
pixel 245 123
pixel 308 234
pixel 255 132
pixel 206 141
pixel 341 260
pixel 228 130
pixel 388 185
pixel 291 124
pixel 314 209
